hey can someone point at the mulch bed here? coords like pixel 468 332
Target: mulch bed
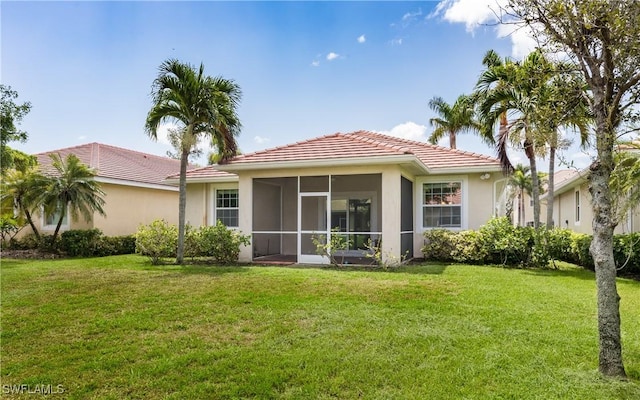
pixel 28 254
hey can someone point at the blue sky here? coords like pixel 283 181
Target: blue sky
pixel 305 68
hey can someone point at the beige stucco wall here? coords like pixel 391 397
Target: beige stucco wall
pixel 127 207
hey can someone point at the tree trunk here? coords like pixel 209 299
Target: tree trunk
pixel 550 188
pixel 535 186
pixel 63 211
pixel 182 205
pixel 452 140
pixel 30 221
pixel 610 357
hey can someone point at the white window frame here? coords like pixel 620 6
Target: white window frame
pixel 63 227
pixel 214 216
pixel 577 207
pixel 419 201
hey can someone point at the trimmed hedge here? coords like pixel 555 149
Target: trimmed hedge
pixel 79 243
pixel 217 243
pixel 499 242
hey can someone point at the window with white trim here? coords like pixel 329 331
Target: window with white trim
pixel 50 220
pixel 577 195
pixel 442 205
pixel 227 207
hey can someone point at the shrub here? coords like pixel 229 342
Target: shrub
pixel 438 245
pixel 626 252
pixel 469 247
pixel 115 245
pixel 80 242
pixel 220 243
pixel 157 240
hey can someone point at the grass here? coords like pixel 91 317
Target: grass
pixel 115 328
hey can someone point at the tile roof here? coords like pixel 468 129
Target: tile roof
pixel 363 144
pixel 207 172
pixel 118 163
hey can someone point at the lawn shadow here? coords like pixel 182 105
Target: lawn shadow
pixel 582 274
pixel 424 269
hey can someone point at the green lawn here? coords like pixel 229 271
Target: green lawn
pixel 116 328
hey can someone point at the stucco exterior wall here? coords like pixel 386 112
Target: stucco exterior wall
pixel 127 207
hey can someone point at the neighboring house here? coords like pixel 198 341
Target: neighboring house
pixel 572 205
pixel 572 202
pixel 369 186
pixel 134 186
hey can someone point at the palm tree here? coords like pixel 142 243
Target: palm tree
pixel 453 119
pixel 71 187
pixel 520 181
pixel 514 88
pixel 20 191
pixel 202 106
pixel 566 105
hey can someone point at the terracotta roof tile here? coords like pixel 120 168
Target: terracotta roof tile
pixel 356 145
pixel 117 163
pixel 206 172
pixel 366 144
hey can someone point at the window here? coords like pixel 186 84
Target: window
pixel 227 207
pixel 442 205
pixel 50 220
pixel 577 194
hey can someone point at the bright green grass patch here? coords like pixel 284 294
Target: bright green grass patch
pixel 114 328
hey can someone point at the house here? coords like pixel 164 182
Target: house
pixel 368 186
pixel 134 186
pixel 572 205
pixel 572 201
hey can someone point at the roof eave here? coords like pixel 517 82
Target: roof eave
pixel 203 179
pixel 467 169
pixel 326 162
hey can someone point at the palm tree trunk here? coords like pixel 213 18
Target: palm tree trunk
pixel 31 224
pixel 182 205
pixel 535 189
pixel 550 189
pixel 452 140
pixel 55 233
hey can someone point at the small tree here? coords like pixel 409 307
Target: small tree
pixel 72 187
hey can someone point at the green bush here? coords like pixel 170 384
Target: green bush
pixel 79 242
pixel 220 243
pixel 157 240
pixel 31 242
pixel 626 252
pixel 438 245
pixel 115 245
pixel 469 247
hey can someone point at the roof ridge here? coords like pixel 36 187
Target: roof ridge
pixel 284 146
pixel 426 144
pixel 91 145
pixel 379 143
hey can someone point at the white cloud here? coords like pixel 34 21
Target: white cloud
pixel 396 42
pixel 473 13
pixel 470 12
pixel 361 39
pixel 83 137
pixel 315 63
pixel 408 130
pixel 332 56
pixel 261 140
pixel 412 15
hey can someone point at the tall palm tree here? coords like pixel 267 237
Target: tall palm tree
pixel 453 119
pixel 566 105
pixel 514 88
pixel 72 186
pixel 201 106
pixel 520 181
